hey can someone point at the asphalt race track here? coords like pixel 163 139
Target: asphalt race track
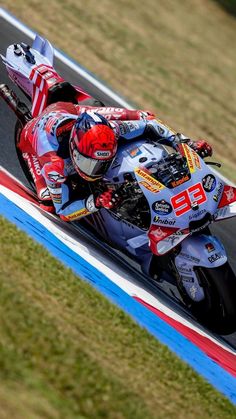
pixel 225 230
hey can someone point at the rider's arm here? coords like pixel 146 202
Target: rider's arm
pixel 153 129
pixel 60 190
pixel 55 175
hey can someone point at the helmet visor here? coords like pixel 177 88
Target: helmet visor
pixel 90 166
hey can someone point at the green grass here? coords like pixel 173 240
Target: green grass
pixel 177 59
pixel 66 352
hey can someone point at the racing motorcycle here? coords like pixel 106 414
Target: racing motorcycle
pixel 170 196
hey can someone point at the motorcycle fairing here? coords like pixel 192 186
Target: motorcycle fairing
pixel 168 230
pixel 227 203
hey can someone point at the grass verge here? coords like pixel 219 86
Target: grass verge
pixel 65 351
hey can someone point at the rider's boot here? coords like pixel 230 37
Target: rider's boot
pixel 45 201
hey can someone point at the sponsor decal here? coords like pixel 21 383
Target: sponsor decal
pixel 149 187
pixel 176 237
pixel 196 159
pixel 90 204
pixel 132 126
pixel 123 129
pixel 158 220
pixel 134 152
pixel 141 173
pixel 229 194
pixel 184 268
pixel 77 214
pixel 193 291
pixel 33 165
pixel 197 214
pixel 209 183
pixel 162 207
pixel 102 153
pixel 159 233
pixel 210 247
pixel 56 197
pixel 161 131
pixel 189 157
pixel 180 181
pixel 187 278
pixel 218 193
pixel 50 124
pixel 36 165
pixel 54 189
pixel 215 257
pixel 190 257
pixel 65 127
pixel 56 177
pixel 222 212
pixel 45 194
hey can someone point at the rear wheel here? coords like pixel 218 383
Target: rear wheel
pixel 217 310
pixel 18 129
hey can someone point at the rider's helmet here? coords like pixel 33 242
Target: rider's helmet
pixel 92 145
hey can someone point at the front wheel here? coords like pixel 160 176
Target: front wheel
pixel 217 310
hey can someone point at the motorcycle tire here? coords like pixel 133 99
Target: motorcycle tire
pixel 217 310
pixel 18 129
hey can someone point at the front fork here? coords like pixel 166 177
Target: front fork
pixel 198 251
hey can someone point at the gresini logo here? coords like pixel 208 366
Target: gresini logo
pixel 159 232
pixel 229 194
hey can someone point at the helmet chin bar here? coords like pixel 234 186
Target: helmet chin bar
pixel 86 177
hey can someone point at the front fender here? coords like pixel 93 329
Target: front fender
pixel 202 250
pixel 198 251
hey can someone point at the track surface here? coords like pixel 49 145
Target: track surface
pixel 226 230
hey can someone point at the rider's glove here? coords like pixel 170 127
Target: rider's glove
pixel 202 148
pixel 108 199
pixel 146 115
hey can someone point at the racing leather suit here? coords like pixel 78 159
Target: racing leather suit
pixel 44 144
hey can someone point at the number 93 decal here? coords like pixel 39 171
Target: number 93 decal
pixel 182 202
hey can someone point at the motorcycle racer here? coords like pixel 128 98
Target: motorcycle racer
pixel 69 146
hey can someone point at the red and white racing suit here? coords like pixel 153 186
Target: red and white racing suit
pixel 44 144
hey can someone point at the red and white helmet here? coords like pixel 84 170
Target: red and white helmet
pixel 92 145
